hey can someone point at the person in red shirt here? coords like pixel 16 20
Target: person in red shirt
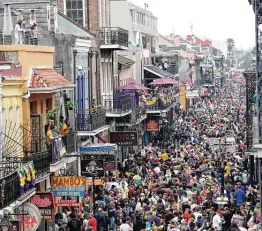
pixel 92 222
pixel 186 215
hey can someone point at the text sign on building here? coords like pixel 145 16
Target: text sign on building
pixel 73 186
pixel 32 220
pixel 45 202
pixel 68 203
pixel 152 126
pixel 124 138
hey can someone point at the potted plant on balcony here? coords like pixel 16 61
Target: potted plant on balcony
pixel 70 105
pixel 51 114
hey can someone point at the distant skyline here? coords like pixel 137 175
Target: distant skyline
pixel 212 19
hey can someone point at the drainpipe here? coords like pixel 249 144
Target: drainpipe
pixel 25 97
pixel 98 93
pixel 90 78
pixel 87 17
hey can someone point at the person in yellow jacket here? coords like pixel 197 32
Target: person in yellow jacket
pixel 63 128
pixel 164 156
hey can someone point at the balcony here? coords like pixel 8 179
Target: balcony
pixel 11 190
pixel 137 115
pixel 33 37
pixel 117 105
pixel 159 104
pixel 90 122
pixel 46 158
pixel 114 38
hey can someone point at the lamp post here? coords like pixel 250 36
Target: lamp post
pixel 92 168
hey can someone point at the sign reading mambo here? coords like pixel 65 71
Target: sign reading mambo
pixel 45 202
pixel 31 221
pixel 124 138
pixel 152 126
pixel 68 203
pixel 68 186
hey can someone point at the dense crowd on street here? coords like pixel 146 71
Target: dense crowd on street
pixel 177 183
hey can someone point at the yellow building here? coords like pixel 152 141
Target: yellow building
pixel 22 59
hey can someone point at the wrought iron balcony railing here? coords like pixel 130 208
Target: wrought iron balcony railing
pixel 9 188
pixel 117 105
pixel 137 114
pixel 114 36
pixel 69 142
pixel 90 119
pixel 42 161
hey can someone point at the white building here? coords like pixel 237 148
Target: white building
pixel 143 34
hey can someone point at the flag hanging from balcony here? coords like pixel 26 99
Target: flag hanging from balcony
pixel 189 79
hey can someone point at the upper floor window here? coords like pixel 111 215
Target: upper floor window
pixel 75 10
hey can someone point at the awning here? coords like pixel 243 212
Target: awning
pixel 125 61
pixel 157 71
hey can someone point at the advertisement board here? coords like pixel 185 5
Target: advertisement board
pixel 45 202
pixel 68 186
pixel 125 138
pixel 32 220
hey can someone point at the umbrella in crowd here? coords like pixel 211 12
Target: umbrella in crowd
pixel 163 81
pixel 134 86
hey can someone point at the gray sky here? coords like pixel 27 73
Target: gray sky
pixel 214 19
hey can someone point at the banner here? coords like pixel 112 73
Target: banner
pixel 73 186
pixel 45 202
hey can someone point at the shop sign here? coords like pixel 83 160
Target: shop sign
pixel 29 222
pixel 109 160
pixel 124 138
pixel 92 167
pixel 68 203
pixel 73 186
pixel 97 182
pixel 45 202
pixel 152 126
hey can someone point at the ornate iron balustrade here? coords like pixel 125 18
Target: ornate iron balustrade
pixel 9 189
pixel 114 36
pixel 69 142
pixel 117 105
pixel 90 120
pixel 41 162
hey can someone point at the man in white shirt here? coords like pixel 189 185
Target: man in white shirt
pixel 217 222
pixel 125 226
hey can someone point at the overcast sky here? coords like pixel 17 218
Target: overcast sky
pixel 215 19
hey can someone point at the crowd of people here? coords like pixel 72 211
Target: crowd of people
pixel 25 32
pixel 184 182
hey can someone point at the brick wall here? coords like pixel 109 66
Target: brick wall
pixel 9 56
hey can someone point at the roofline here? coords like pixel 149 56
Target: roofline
pixel 43 90
pixel 76 23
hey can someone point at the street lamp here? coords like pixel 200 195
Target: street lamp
pixel 92 168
